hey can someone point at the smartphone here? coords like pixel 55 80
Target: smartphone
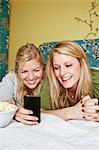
pixel 33 103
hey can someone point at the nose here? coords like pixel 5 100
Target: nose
pixel 62 71
pixel 30 75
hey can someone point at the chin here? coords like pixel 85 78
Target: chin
pixel 68 86
pixel 31 86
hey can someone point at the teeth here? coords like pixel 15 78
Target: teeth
pixel 31 82
pixel 66 79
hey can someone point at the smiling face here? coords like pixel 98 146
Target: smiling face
pixel 67 70
pixel 30 73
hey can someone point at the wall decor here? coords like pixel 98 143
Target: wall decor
pixel 91 48
pixel 92 21
pixel 4 36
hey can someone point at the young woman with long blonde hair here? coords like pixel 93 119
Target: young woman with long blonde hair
pixel 74 87
pixel 28 79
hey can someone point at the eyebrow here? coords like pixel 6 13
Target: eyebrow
pixel 21 69
pixel 64 63
pixel 37 67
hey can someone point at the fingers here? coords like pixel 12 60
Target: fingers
pixel 90 108
pixel 88 112
pixel 24 111
pixel 24 116
pixel 90 105
pixel 91 102
pixel 33 121
pixel 86 98
pixel 92 117
pixel 11 101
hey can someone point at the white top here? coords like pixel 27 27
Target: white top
pixel 8 87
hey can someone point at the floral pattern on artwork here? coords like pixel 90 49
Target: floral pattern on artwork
pixel 4 35
pixel 91 47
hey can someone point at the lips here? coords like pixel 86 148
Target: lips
pixel 31 82
pixel 66 79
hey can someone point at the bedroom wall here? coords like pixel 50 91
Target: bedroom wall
pixel 40 21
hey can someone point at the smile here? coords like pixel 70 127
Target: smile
pixel 31 82
pixel 66 79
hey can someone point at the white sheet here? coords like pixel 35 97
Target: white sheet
pixel 52 133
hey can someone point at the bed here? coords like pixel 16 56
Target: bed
pixel 52 133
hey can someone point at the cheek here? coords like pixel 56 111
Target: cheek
pixel 22 76
pixel 56 73
pixel 40 74
pixel 77 73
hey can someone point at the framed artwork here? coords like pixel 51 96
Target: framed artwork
pixel 4 34
pixel 91 47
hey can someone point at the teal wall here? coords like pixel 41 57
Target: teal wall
pixel 4 34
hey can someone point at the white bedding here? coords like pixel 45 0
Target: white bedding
pixel 52 133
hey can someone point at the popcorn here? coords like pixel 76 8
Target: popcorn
pixel 5 106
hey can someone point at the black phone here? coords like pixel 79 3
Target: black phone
pixel 33 103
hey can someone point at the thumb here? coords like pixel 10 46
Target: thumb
pixel 85 98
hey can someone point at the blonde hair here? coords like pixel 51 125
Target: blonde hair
pixel 59 95
pixel 25 53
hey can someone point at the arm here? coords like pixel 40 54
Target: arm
pixel 74 112
pixel 87 109
pixel 7 87
pixel 69 113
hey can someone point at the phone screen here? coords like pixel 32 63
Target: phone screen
pixel 33 103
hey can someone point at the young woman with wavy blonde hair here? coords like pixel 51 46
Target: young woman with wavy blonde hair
pixel 27 79
pixel 73 91
pixel 27 53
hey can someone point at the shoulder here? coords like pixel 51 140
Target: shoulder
pixel 45 87
pixel 10 74
pixel 9 77
pixel 45 83
pixel 45 95
pixel 95 74
pixel 95 81
pixel 7 86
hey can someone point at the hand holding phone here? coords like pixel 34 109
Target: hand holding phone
pixel 33 103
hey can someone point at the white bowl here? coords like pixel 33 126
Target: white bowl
pixel 7 112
